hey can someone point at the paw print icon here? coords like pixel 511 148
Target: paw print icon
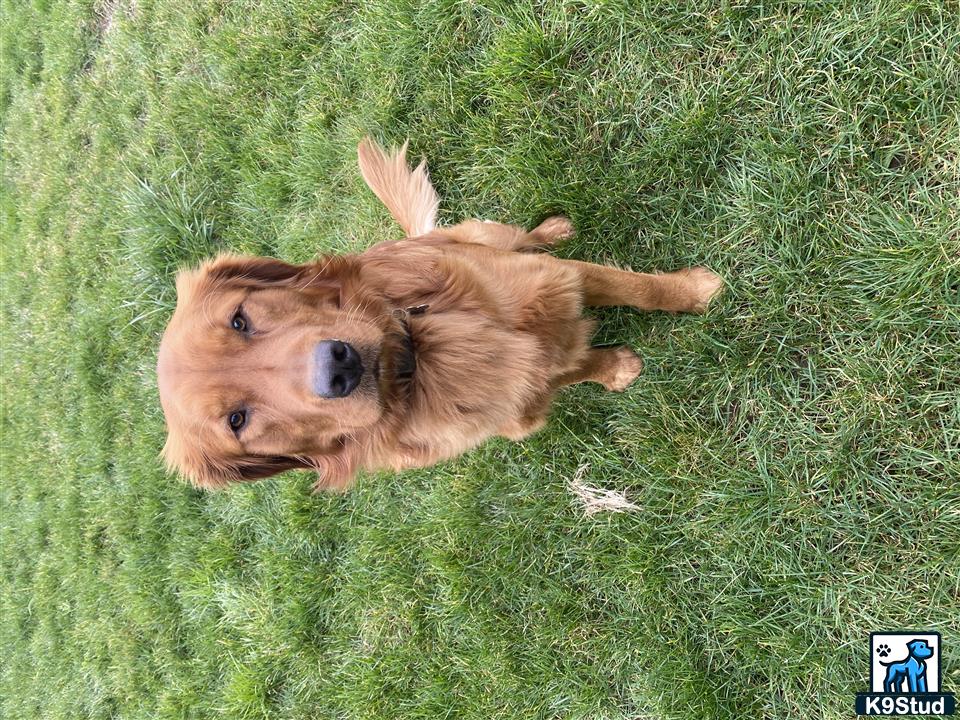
pixel 883 650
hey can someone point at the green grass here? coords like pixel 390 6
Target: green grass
pixel 795 453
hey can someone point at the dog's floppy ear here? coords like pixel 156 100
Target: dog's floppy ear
pixel 206 471
pixel 324 275
pixel 336 468
pixel 255 270
pixel 259 467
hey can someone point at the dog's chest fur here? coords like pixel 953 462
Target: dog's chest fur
pixel 484 358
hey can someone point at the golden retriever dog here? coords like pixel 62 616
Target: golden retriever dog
pixel 409 353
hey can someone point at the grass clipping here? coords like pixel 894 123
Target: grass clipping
pixel 597 500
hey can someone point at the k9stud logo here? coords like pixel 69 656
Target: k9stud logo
pixel 905 674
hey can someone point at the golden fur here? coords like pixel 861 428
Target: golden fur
pixel 464 336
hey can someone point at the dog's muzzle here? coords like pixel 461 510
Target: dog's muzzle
pixel 336 369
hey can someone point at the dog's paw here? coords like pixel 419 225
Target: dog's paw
pixel 553 230
pixel 702 286
pixel 626 369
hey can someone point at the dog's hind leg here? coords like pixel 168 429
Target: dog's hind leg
pixel 614 368
pixel 688 290
pixel 892 681
pixel 510 237
pixel 551 231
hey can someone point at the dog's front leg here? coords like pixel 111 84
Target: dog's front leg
pixel 688 290
pixel 916 681
pixel 519 428
pixel 614 368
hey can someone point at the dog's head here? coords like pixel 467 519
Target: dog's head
pixel 920 649
pixel 267 366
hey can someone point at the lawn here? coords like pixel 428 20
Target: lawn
pixel 793 455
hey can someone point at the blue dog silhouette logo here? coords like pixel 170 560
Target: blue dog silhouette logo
pixel 905 676
pixel 911 671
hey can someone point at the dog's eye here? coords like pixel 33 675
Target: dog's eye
pixel 239 322
pixel 237 419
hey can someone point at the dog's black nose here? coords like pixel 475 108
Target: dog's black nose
pixel 336 369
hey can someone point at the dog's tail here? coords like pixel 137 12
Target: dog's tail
pixel 408 195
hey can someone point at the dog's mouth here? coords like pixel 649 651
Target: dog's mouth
pixel 405 363
pixel 396 365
